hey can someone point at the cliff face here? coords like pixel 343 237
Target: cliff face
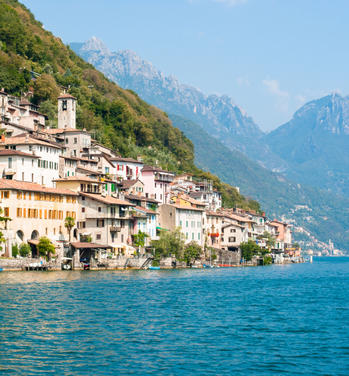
pixel 218 115
pixel 315 143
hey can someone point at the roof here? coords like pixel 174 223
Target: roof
pixel 88 171
pixel 109 200
pixel 79 178
pixel 185 207
pixel 66 95
pixel 88 245
pixel 155 169
pixel 16 152
pixel 27 140
pixel 214 214
pixel 33 187
pixel 142 198
pixel 146 210
pixel 64 130
pixel 129 183
pixel 121 159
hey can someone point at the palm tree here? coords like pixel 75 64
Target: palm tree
pixel 69 223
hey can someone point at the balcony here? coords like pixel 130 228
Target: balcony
pixel 115 228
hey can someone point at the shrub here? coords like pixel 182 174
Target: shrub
pixel 24 249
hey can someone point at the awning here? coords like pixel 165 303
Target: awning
pixel 86 245
pixel 161 229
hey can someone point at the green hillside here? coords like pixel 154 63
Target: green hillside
pixel 31 58
pixel 329 214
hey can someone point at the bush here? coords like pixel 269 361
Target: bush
pixel 249 249
pixel 15 250
pixel 24 250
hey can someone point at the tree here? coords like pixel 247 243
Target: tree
pixel 249 249
pixel 15 250
pixel 69 223
pixel 170 243
pixel 24 250
pixel 192 252
pixel 46 248
pixel 139 239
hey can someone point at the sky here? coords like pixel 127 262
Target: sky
pixel 270 56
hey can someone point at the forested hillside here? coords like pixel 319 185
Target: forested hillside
pixel 31 58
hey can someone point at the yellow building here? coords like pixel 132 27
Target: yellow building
pixel 35 211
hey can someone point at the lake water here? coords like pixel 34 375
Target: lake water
pixel 273 320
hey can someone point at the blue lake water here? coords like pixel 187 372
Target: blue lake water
pixel 273 320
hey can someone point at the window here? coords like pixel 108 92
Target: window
pixel 30 147
pixel 22 161
pixel 6 212
pixel 100 222
pixel 186 235
pixel 66 140
pixel 9 162
pixel 32 178
pixel 83 210
pixel 22 175
pixel 98 237
pixel 5 194
pixel 192 236
pixel 180 223
pixel 64 105
pixel 186 224
pixel 199 236
pixel 75 140
pixel 19 212
pixel 99 209
pixel 192 223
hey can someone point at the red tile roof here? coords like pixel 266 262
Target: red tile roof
pixel 109 200
pixel 66 95
pixel 33 187
pixel 17 152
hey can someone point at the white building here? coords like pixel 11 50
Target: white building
pixel 45 167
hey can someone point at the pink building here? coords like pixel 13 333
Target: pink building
pixel 156 183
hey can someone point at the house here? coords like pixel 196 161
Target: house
pixel 15 164
pixel 18 115
pixel 35 211
pixel 134 186
pixel 106 220
pixel 45 167
pixel 283 235
pixel 156 182
pixel 127 168
pixel 188 219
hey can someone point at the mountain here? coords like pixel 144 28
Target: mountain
pixel 323 214
pixel 33 60
pixel 315 144
pixel 218 115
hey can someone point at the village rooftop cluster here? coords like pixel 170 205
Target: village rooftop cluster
pixel 49 174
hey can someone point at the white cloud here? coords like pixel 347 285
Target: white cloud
pixel 273 87
pixel 231 3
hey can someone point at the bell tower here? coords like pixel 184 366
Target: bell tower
pixel 66 111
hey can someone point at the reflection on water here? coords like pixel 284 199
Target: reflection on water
pixel 261 321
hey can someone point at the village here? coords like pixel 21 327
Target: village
pixel 100 210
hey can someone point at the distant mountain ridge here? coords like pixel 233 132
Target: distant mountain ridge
pixel 315 144
pixel 218 115
pixel 279 196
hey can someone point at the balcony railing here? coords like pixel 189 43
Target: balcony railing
pixel 115 228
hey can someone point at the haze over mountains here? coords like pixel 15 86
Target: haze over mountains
pixel 310 149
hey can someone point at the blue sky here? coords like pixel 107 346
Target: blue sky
pixel 270 56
